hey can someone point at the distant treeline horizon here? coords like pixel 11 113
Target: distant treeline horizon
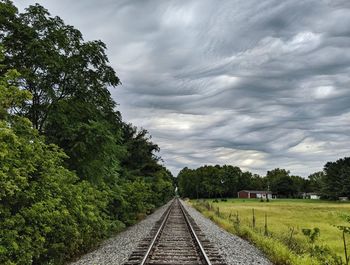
pixel 222 181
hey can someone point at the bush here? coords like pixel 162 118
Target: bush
pixel 47 215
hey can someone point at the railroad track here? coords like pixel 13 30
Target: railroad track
pixel 175 240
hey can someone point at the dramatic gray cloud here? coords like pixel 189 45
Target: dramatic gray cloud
pixel 257 84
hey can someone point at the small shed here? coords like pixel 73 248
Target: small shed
pixel 315 196
pixel 258 194
pixel 311 195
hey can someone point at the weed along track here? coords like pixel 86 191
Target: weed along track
pixel 175 239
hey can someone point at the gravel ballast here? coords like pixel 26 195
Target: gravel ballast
pixel 233 249
pixel 117 249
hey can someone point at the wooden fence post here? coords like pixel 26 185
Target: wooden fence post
pixel 291 236
pixel 253 219
pixel 345 250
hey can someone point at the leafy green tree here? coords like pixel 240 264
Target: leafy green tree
pixel 281 182
pixel 54 61
pixel 162 187
pixel 299 185
pixel 315 181
pixel 138 196
pixel 140 158
pixel 92 142
pixel 182 181
pixel 258 182
pixel 284 186
pixel 68 79
pixel 45 214
pixel 336 181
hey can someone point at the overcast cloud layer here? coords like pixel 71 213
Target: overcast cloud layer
pixel 257 84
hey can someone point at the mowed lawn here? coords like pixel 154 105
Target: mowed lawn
pixel 284 214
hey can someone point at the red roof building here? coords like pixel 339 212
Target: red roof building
pixel 250 194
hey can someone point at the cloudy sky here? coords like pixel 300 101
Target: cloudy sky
pixel 257 84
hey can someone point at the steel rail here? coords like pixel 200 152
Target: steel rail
pixel 143 262
pixel 194 235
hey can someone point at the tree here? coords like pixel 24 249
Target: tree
pixel 336 181
pixel 162 187
pixel 140 159
pixel 91 140
pixel 54 61
pixel 280 182
pixel 232 175
pixel 68 79
pixel 315 181
pixel 187 187
pixel 45 213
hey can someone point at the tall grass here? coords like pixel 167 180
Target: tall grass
pixel 290 247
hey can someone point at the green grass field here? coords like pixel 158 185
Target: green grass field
pixel 283 217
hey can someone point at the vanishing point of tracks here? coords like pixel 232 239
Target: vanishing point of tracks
pixel 175 239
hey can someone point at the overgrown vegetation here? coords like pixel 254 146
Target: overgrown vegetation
pixel 287 231
pixel 71 171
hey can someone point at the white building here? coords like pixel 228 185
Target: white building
pixel 315 197
pixel 258 194
pixel 311 195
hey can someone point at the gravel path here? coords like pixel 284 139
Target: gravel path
pixel 117 249
pixel 232 248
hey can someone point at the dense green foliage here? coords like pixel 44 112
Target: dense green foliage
pixel 55 62
pixel 280 182
pixel 226 181
pixel 71 171
pixel 335 182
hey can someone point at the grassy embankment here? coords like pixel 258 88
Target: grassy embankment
pixel 285 241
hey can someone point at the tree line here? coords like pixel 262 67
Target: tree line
pixel 225 181
pixel 72 172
